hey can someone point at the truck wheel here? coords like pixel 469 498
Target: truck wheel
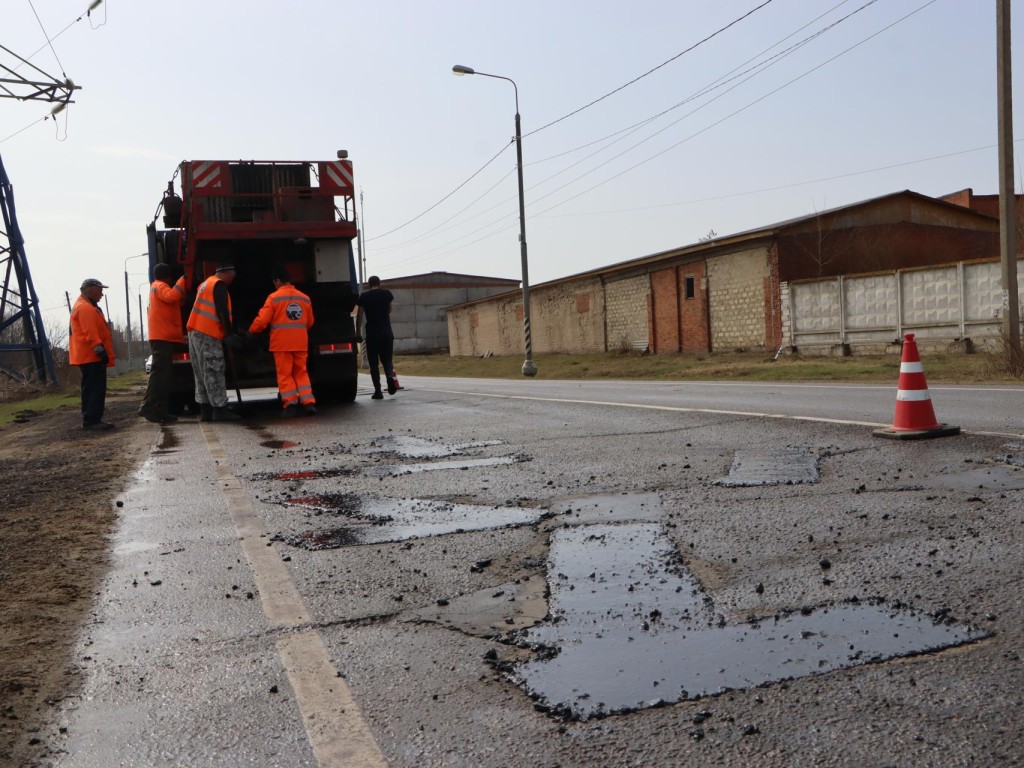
pixel 347 391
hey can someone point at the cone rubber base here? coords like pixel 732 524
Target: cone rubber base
pixel 943 430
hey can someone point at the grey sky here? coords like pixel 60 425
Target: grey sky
pixel 224 79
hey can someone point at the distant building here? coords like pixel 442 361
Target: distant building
pixel 417 316
pixel 851 278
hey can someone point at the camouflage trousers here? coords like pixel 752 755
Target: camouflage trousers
pixel 207 354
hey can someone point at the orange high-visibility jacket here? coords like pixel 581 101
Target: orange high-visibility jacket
pixel 89 329
pixel 204 312
pixel 165 310
pixel 289 314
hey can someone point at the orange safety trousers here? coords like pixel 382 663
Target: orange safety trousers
pixel 293 378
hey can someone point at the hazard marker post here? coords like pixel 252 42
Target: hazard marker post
pixel 915 417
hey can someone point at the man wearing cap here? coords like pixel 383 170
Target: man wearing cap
pixel 288 313
pixel 164 332
pixel 91 348
pixel 208 326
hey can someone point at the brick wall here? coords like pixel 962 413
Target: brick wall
pixel 665 310
pixel 693 312
pixel 486 327
pixel 736 284
pixel 626 307
pixel 567 317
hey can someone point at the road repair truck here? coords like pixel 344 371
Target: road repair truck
pixel 255 215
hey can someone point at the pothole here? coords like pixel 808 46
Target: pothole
pixel 783 466
pixel 632 628
pixel 376 521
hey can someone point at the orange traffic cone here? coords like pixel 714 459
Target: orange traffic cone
pixel 394 378
pixel 915 417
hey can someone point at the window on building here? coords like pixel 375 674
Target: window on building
pixel 689 286
pixel 582 302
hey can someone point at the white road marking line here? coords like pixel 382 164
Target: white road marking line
pixel 681 409
pixel 334 723
pixel 335 726
pixel 648 406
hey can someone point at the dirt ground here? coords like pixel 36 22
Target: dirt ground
pixel 58 492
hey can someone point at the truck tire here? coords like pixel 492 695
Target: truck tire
pixel 347 391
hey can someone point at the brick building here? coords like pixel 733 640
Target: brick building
pixel 727 293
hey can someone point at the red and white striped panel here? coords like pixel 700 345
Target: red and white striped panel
pixel 336 175
pixel 208 174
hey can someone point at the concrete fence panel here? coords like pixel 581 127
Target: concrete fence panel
pixel 942 306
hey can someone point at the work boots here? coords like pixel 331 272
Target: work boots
pixel 223 414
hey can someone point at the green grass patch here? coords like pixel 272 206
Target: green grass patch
pixel 751 366
pixel 23 403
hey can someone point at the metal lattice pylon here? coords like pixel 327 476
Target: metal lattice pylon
pixel 21 323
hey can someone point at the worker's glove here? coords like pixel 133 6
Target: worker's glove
pixel 359 338
pixel 102 352
pixel 233 341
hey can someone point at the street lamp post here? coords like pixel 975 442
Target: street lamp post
pixel 128 304
pixel 529 367
pixel 140 290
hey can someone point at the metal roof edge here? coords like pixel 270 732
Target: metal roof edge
pixel 723 243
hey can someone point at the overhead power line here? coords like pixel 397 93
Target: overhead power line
pixel 421 256
pixel 741 109
pixel 776 188
pixel 628 131
pixel 699 43
pixel 751 72
pixel 49 42
pixel 438 229
pixel 719 82
pixel 577 111
pixel 460 186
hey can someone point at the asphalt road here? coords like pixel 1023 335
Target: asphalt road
pixel 557 574
pixel 985 409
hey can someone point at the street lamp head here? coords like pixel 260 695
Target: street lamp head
pixel 460 70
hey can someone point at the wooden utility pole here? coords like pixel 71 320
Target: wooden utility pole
pixel 1007 207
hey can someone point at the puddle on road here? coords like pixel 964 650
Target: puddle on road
pixel 432 466
pixel 376 521
pixel 421 448
pixel 312 474
pixel 344 503
pixel 632 628
pixel 615 508
pixel 990 477
pixel 783 466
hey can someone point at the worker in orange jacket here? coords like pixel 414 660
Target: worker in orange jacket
pixel 165 332
pixel 210 327
pixel 289 315
pixel 91 348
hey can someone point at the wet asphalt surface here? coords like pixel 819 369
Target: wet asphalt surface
pixel 503 582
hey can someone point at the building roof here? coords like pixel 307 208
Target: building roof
pixel 440 279
pixel 748 237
